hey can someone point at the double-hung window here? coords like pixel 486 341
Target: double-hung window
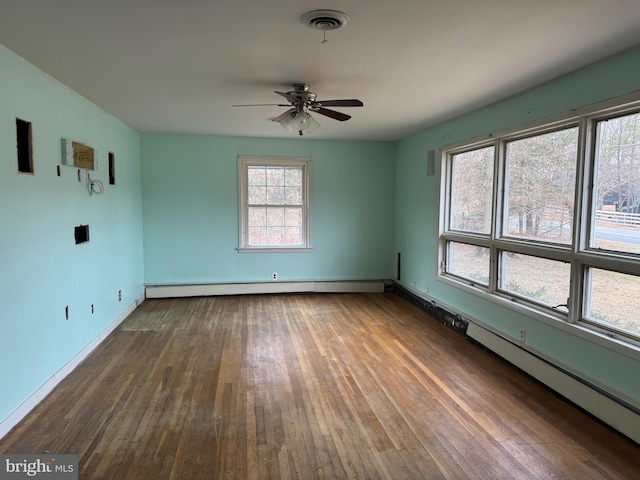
pixel 274 209
pixel 547 220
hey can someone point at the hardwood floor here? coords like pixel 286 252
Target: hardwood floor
pixel 310 386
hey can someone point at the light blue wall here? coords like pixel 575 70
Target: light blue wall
pixel 417 208
pixel 191 210
pixel 369 201
pixel 41 269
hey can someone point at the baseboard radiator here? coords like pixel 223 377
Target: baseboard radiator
pixel 603 405
pixel 600 404
pixel 212 289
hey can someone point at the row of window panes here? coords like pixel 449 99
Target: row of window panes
pixel 537 205
pixel 274 185
pixel 285 236
pixel 613 297
pixel 275 226
pixel 275 216
pixel 535 278
pixel 275 176
pixel 259 195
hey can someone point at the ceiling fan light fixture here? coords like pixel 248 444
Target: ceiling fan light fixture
pixel 299 121
pixel 301 102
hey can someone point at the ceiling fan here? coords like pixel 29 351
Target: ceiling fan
pixel 302 101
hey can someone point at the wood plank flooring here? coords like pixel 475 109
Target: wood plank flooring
pixel 310 386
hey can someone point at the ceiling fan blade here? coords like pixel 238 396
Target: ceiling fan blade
pixel 332 114
pixel 351 102
pixel 283 116
pixel 263 105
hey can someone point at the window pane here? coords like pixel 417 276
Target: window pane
pixel 257 216
pixel 257 176
pixel 293 216
pixel 541 173
pixel 275 195
pixel 257 195
pixel 293 235
pixel 275 216
pixel 540 279
pixel 293 177
pixel 275 176
pixel 617 212
pixel 471 189
pixel 275 235
pixel 469 261
pixel 257 236
pixel 293 195
pixel 615 301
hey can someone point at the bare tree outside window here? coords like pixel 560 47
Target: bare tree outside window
pixel 472 187
pixel 616 218
pixel 541 176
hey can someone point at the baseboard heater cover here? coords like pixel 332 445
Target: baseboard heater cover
pixel 445 316
pixel 214 289
pixel 611 412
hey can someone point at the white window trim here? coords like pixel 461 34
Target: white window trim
pixel 586 258
pixel 245 161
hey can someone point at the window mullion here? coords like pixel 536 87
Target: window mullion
pixel 578 288
pixel 495 270
pixel 584 187
pixel 581 218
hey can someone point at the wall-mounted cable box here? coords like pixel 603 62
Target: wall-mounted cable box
pixel 79 155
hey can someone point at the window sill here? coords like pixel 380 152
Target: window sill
pixel 274 249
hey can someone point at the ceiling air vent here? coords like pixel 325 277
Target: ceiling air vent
pixel 325 19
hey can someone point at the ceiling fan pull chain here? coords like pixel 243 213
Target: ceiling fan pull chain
pixel 324 36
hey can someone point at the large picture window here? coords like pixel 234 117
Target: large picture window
pixel 541 176
pixel 274 211
pixel 616 217
pixel 471 190
pixel 547 220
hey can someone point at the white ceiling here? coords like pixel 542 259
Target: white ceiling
pixel 178 65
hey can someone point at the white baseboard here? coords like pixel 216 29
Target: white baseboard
pixel 601 406
pixel 213 289
pixel 30 403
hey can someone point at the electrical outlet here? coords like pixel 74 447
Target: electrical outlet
pixel 523 335
pixel 92 309
pixel 426 288
pixel 274 276
pixel 414 283
pixel 119 295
